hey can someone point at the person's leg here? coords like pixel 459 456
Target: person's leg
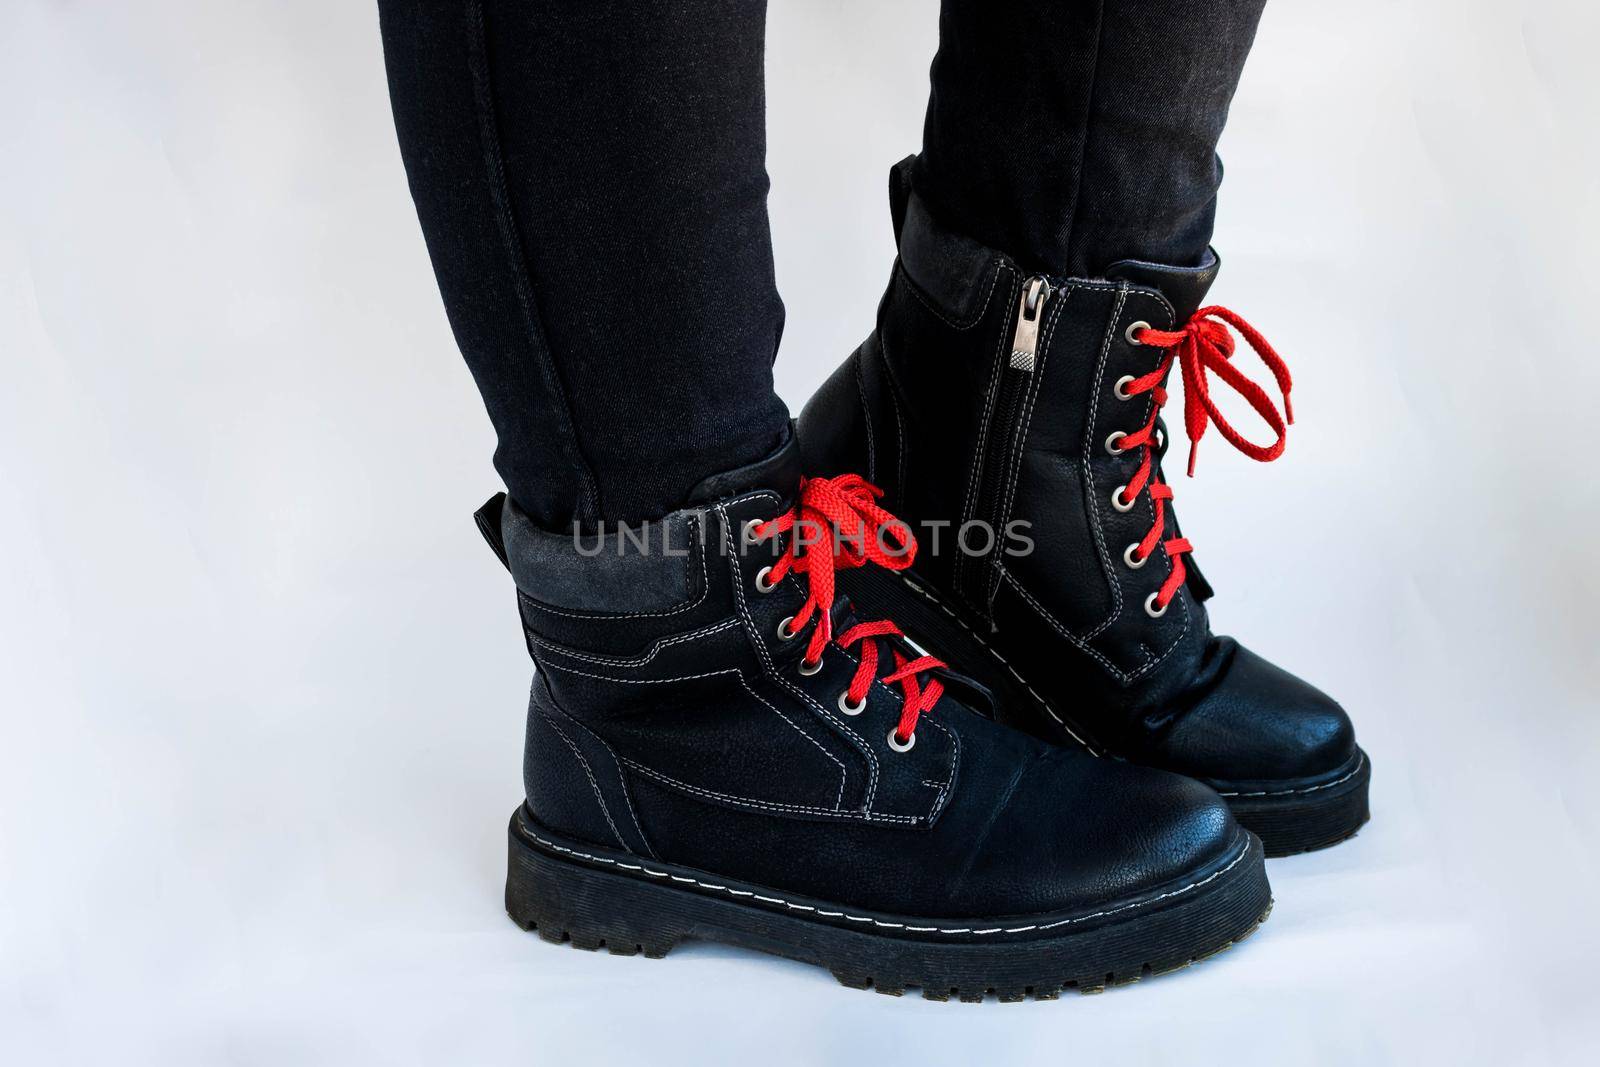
pixel 714 735
pixel 591 183
pixel 1075 133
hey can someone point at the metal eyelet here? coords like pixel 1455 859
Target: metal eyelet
pixel 1120 390
pixel 1117 501
pixel 1161 440
pixel 899 746
pixel 750 525
pixel 1133 328
pixel 849 708
pixel 784 631
pixel 762 585
pixel 807 668
pixel 1150 608
pixel 1111 442
pixel 1131 557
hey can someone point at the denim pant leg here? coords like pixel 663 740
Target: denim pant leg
pixel 1075 133
pixel 592 185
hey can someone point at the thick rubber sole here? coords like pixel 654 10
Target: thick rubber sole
pixel 593 899
pixel 1290 818
pixel 1304 817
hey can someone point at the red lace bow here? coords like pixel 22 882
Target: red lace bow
pixel 1205 345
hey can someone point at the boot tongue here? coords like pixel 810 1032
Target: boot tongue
pixel 1184 287
pixel 778 471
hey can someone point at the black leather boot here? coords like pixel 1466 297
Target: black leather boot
pixel 1031 405
pixel 717 748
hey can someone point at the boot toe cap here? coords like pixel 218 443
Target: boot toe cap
pixel 1259 724
pixel 1086 832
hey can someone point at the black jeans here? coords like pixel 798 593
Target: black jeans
pixel 591 180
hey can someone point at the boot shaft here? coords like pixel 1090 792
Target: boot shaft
pixel 666 662
pixel 990 397
pixel 676 716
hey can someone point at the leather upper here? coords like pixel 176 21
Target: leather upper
pixel 674 722
pixel 939 416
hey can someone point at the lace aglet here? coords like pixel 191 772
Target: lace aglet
pixel 1194 451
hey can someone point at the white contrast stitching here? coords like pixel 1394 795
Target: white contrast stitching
pixel 838 800
pixel 1361 760
pixel 1043 703
pixel 637 661
pixel 1083 642
pixel 622 779
pixel 915 290
pixel 974 931
pixel 1107 566
pixel 767 805
pixel 1084 646
pixel 1092 491
pixel 639 681
pixel 996 370
pixel 601 800
pixel 955 765
pixel 955 738
pixel 706 674
pixel 766 657
pixel 1013 471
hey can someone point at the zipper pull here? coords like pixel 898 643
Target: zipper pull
pixel 1030 312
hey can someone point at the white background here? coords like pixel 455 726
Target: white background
pixel 262 688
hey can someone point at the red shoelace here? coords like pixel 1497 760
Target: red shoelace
pixel 1202 346
pixel 838 524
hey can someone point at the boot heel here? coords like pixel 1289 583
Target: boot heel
pixel 564 901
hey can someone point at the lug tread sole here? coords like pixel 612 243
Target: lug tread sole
pixel 897 988
pixel 568 902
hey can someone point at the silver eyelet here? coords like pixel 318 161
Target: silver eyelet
pixel 1117 501
pixel 1161 440
pixel 1120 390
pixel 1150 608
pixel 849 708
pixel 1111 442
pixel 1131 557
pixel 762 585
pixel 895 743
pixel 809 669
pixel 750 525
pixel 784 632
pixel 1133 328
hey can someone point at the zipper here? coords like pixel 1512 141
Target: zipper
pixel 979 582
pixel 1030 312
